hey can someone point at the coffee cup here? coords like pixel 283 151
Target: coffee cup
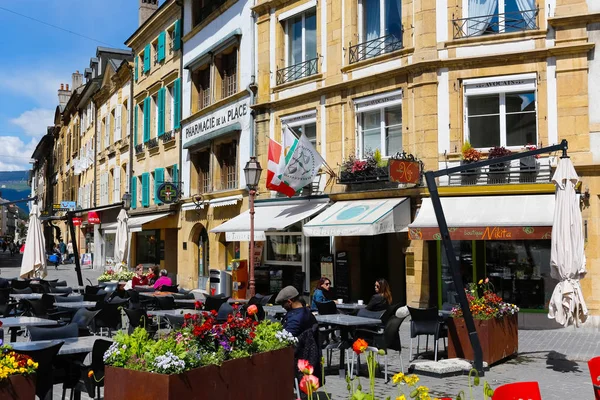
pixel 340 301
pixel 360 302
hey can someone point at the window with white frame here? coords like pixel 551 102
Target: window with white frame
pixel 379 119
pixel 380 18
pixel 300 47
pixel 303 123
pixel 484 17
pixel 501 111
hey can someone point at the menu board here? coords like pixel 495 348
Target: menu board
pixel 342 276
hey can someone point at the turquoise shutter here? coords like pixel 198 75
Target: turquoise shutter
pixel 135 69
pixel 147 58
pixel 175 176
pixel 176 102
pixel 159 179
pixel 146 119
pixel 177 35
pixel 145 189
pixel 133 192
pixel 161 46
pixel 161 111
pixel 136 110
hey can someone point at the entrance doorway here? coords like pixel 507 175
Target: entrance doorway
pixel 203 258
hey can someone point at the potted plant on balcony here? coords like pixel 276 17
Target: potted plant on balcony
pixel 529 165
pixel 205 359
pixel 17 375
pixel 372 168
pixel 495 322
pixel 470 155
pixel 498 172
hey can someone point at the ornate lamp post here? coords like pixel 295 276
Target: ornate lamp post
pixel 252 173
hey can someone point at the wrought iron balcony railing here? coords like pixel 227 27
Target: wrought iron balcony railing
pixel 374 48
pixel 152 143
pixel 139 148
pixel 297 71
pixel 514 21
pixel 168 136
pixel 528 171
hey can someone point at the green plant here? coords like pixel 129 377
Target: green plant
pixel 469 154
pixel 379 161
pixel 112 275
pixel 271 336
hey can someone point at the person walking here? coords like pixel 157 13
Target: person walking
pixel 62 247
pixel 70 252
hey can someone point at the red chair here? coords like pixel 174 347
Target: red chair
pixel 518 391
pixel 594 366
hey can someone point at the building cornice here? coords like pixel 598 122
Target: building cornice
pixel 577 19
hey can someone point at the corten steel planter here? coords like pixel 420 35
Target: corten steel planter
pixel 499 338
pixel 18 387
pixel 263 376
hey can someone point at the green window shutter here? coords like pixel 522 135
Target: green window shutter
pixel 135 69
pixel 159 179
pixel 147 58
pixel 161 111
pixel 145 189
pixel 175 176
pixel 161 46
pixel 177 35
pixel 176 102
pixel 146 119
pixel 133 192
pixel 135 124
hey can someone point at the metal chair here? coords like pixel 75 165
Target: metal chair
pixel 94 383
pixel 426 321
pixel 214 303
pixel 165 302
pixel 44 356
pixel 518 390
pixel 327 308
pixel 46 333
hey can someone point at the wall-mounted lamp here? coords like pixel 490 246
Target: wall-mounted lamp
pixel 586 193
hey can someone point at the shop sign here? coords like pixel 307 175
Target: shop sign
pixel 93 217
pixel 76 221
pixel 168 193
pixel 485 233
pixel 220 118
pixel 64 206
pixel 405 171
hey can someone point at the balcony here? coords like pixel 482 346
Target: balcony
pixel 168 136
pixel 139 149
pixel 514 21
pixel 152 143
pixel 525 171
pixel 374 48
pixel 297 71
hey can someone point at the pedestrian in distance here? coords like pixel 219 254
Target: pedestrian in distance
pixel 62 247
pixel 70 252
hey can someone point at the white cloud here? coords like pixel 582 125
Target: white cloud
pixel 35 122
pixel 15 154
pixel 40 86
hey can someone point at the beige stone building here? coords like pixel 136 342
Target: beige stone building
pixel 424 77
pixel 156 117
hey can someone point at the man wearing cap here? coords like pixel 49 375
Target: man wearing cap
pixel 298 317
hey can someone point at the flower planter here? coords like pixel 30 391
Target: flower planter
pixel 264 376
pixel 499 338
pixel 469 176
pixel 18 387
pixel 379 174
pixel 498 173
pixel 529 169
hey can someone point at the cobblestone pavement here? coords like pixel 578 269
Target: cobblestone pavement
pixel 557 359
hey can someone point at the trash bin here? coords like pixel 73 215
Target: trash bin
pixel 220 282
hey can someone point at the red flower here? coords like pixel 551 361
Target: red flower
pixel 309 384
pixel 360 346
pixel 198 305
pixel 252 309
pixel 213 312
pixel 248 341
pixel 232 339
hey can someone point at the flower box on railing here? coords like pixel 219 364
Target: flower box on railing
pixel 378 174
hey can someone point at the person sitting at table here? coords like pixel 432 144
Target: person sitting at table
pixel 139 279
pixel 298 317
pixel 164 280
pixel 320 293
pixel 382 298
pixel 152 275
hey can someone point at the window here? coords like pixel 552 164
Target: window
pixel 112 127
pixel 147 247
pixel 155 51
pixel 301 47
pixel 202 161
pixel 169 109
pixel 202 9
pixel 106 131
pixel 201 87
pixel 227 157
pixel 228 73
pixel 284 248
pixel 171 39
pixel 484 17
pixel 381 129
pixel 380 29
pixel 501 112
pixel 303 123
pixel 153 116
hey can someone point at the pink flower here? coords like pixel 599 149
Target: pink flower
pixel 305 367
pixel 487 280
pixel 309 384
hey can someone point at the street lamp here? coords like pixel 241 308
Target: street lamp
pixel 252 173
pixel 126 201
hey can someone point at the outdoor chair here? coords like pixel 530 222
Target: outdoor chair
pixel 94 383
pixel 44 356
pixel 175 321
pixel 7 306
pixel 40 286
pixel 61 289
pixel 183 296
pixel 48 301
pixel 327 308
pixel 138 317
pixel 52 333
pixel 165 302
pixel 84 319
pixel 594 366
pixel 167 288
pixel 92 289
pixel 363 312
pixel 214 303
pixel 391 311
pixel 56 283
pixel 225 310
pixel 26 290
pixel 68 299
pixel 109 316
pixel 37 308
pixel 518 391
pixel 426 321
pixel 19 284
pixel 100 296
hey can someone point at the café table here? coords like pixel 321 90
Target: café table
pixel 76 304
pixel 156 294
pixel 350 306
pixel 274 310
pixel 186 301
pixel 14 323
pixel 345 323
pixel 174 313
pixel 26 296
pixel 240 301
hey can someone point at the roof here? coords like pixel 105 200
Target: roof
pixel 39 149
pixel 112 50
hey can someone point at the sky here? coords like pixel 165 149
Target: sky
pixel 37 58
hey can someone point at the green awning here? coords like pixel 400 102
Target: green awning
pixel 236 126
pixel 215 48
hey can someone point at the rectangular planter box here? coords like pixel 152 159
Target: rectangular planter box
pixel 18 387
pixel 499 338
pixel 264 376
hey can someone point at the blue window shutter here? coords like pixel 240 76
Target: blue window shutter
pixel 135 69
pixel 147 58
pixel 177 35
pixel 161 111
pixel 146 119
pixel 175 176
pixel 176 103
pixel 161 46
pixel 136 109
pixel 145 189
pixel 133 192
pixel 159 179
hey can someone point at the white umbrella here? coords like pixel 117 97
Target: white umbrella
pixel 121 238
pixel 567 259
pixel 34 257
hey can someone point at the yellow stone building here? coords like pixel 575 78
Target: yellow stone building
pixel 424 77
pixel 156 116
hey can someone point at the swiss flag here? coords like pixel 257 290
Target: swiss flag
pixel 274 170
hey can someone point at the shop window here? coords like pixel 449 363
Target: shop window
pixel 201 88
pixel 284 248
pixel 227 158
pixel 381 129
pixel 147 247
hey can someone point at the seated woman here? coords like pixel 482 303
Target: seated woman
pixel 153 275
pixel 139 279
pixel 320 293
pixel 164 280
pixel 382 298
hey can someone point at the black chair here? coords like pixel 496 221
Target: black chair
pixel 19 284
pixel 214 303
pixel 390 312
pixel 175 321
pixel 92 289
pixel 94 383
pixel 84 319
pixel 68 299
pixel 225 310
pixel 268 299
pixel 61 289
pixel 165 302
pixel 45 357
pixel 48 301
pixel 51 333
pixel 363 312
pixel 327 308
pixel 100 296
pixel 37 308
pixel 183 296
pixel 56 283
pixel 7 306
pixel 426 321
pixel 109 316
pixel 171 289
pixel 139 317
pixel 26 290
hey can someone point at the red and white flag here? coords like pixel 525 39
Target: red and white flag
pixel 274 169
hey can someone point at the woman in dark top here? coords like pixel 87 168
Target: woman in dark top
pixel 382 298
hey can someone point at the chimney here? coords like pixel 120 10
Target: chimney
pixel 76 80
pixel 147 8
pixel 63 95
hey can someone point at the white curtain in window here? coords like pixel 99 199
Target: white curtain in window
pixel 372 15
pixel 480 15
pixel 527 9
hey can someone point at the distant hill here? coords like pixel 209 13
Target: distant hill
pixel 13 186
pixel 10 176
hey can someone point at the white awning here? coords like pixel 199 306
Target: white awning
pixel 226 201
pixel 275 216
pixel 135 224
pixel 111 227
pixel 361 218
